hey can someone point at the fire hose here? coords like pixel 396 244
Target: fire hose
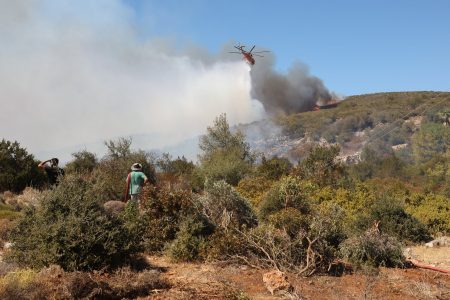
pixel 418 264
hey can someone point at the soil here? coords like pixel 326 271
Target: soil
pixel 218 281
pixel 436 256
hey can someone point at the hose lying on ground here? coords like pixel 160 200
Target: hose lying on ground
pixel 417 264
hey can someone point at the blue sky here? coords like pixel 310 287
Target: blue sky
pixel 354 46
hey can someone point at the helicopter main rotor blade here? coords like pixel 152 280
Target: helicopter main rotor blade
pixel 263 51
pixel 234 52
pixel 252 49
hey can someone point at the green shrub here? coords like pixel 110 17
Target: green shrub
pixel 288 192
pixel 164 210
pixel 430 140
pixel 321 166
pixel 83 162
pixel 327 226
pixel 433 211
pixel 175 167
pixel 291 220
pixel 254 188
pixel 112 170
pixel 225 155
pixel 224 207
pixel 71 229
pixel 395 221
pixel 225 245
pixel 373 249
pixel 274 168
pixel 190 240
pixel 18 169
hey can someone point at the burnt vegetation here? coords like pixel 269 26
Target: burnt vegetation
pixel 302 215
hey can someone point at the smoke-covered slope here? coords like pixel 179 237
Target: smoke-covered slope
pixel 383 120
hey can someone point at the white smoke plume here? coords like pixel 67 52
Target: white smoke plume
pixel 77 72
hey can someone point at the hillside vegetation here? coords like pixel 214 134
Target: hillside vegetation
pixel 358 113
pixel 305 213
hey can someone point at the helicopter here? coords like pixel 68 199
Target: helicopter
pixel 248 55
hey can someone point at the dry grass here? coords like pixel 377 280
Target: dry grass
pixel 29 197
pixel 438 256
pixel 54 283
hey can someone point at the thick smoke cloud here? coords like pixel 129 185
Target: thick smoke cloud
pixel 76 73
pixel 297 91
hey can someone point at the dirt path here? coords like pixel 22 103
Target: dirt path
pixel 437 256
pixel 213 281
pixel 210 281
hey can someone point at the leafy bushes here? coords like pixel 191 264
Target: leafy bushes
pixel 373 249
pixel 225 245
pixel 395 221
pixel 18 169
pixel 274 168
pixel 433 211
pixel 288 192
pixel 254 188
pixel 300 243
pixel 290 220
pixel 83 162
pixel 71 229
pixel 110 173
pixel 164 210
pixel 225 155
pixel 430 140
pixel 321 166
pixel 225 208
pixel 190 240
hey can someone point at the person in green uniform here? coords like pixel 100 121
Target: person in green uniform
pixel 136 179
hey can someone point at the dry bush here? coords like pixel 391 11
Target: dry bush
pixel 5 196
pixel 268 247
pixel 225 208
pixel 225 245
pixel 190 240
pixel 163 211
pixel 30 197
pixel 6 226
pixel 373 249
pixel 17 284
pixel 6 267
pixel 292 241
pixel 54 283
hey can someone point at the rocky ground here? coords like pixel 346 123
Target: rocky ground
pixel 225 281
pixel 217 281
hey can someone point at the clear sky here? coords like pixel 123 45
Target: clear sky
pixel 354 46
